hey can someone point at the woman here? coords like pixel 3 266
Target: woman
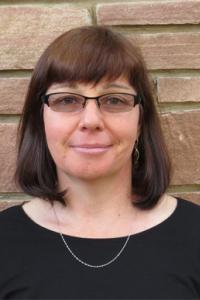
pixel 91 152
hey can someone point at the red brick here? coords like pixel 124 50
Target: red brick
pixel 148 12
pixel 181 130
pixel 7 156
pixel 169 50
pixel 12 94
pixel 25 31
pixel 178 89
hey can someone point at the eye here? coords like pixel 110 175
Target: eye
pixel 66 100
pixel 114 100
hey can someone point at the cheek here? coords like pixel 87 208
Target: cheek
pixel 57 132
pixel 128 128
pixel 127 134
pixel 52 127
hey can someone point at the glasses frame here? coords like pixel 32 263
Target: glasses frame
pixel 45 98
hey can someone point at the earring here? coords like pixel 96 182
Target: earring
pixel 136 153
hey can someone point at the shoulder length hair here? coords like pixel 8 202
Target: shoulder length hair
pixel 88 54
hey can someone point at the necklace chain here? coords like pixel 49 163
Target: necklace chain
pixel 83 262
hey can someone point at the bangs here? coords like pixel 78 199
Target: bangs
pixel 89 56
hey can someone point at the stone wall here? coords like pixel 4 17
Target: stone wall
pixel 168 33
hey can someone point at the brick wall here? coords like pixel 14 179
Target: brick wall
pixel 169 35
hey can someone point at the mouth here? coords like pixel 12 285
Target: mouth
pixel 91 148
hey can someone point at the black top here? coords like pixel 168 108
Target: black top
pixel 162 262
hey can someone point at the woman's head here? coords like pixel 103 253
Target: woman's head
pixel 88 58
pixel 96 140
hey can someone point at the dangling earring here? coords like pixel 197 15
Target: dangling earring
pixel 136 153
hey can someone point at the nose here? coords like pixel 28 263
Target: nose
pixel 91 117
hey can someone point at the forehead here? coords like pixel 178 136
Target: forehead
pixel 120 83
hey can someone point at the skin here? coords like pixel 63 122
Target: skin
pixel 99 200
pixel 64 130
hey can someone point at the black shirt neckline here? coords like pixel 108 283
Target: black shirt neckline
pixel 154 228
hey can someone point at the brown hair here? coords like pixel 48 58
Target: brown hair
pixel 88 54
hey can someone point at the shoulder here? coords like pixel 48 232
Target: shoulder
pixel 181 213
pixel 186 219
pixel 9 213
pixel 20 220
pixel 14 214
pixel 10 232
pixel 15 242
pixel 188 208
pixel 9 216
pixel 11 220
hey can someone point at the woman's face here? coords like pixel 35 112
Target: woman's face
pixel 91 144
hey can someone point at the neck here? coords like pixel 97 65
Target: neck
pixel 101 199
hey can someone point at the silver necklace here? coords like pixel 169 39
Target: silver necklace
pixel 83 262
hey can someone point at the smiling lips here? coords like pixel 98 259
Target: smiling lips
pixel 91 148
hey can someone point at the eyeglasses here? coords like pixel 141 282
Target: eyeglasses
pixel 70 102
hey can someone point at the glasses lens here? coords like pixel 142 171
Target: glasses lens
pixel 66 102
pixel 117 102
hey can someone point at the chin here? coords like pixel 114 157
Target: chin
pixel 88 172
